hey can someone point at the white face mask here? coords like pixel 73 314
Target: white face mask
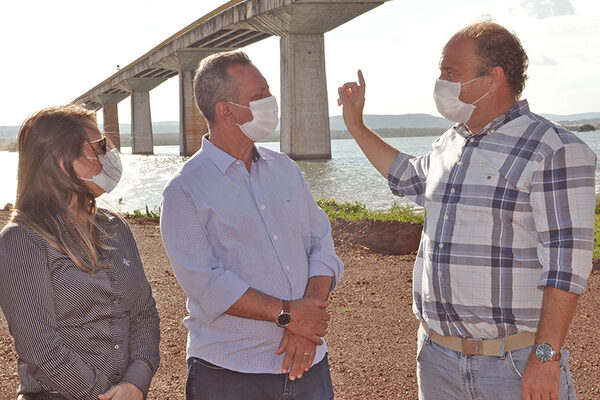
pixel 110 175
pixel 449 105
pixel 265 115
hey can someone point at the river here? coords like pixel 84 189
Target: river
pixel 348 176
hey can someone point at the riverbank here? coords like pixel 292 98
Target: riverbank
pixel 372 335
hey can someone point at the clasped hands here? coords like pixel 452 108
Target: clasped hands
pixel 301 337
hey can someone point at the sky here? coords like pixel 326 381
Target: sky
pixel 54 51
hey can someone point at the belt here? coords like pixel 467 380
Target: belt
pixel 41 396
pixel 481 347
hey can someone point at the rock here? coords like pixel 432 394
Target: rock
pixel 385 237
pixel 7 207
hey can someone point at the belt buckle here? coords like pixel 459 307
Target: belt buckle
pixel 472 347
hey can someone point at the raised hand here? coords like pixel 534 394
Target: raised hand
pixel 352 99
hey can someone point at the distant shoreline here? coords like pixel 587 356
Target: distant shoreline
pixel 172 138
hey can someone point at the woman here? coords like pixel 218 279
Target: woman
pixel 73 288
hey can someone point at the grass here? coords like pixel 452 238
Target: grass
pixel 152 214
pixel 358 210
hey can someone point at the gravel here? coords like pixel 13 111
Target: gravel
pixel 372 334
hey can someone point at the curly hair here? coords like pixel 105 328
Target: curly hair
pixel 496 46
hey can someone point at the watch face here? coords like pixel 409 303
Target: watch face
pixel 284 319
pixel 543 352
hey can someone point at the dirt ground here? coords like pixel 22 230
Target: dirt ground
pixel 372 335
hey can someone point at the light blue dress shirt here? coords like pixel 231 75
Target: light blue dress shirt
pixel 225 230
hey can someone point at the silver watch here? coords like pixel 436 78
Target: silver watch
pixel 545 353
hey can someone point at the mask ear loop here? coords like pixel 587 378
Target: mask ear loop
pixel 481 98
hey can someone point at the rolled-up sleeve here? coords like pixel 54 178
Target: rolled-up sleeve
pixel 563 202
pixel 209 285
pixel 407 177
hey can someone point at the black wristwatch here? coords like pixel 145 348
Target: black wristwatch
pixel 284 318
pixel 545 353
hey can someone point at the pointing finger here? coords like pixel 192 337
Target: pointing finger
pixel 361 78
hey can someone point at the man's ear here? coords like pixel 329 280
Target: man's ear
pixel 223 112
pixel 496 78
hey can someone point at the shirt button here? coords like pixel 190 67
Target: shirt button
pixel 445 218
pixel 440 274
pixel 116 302
pixel 287 267
pixel 275 237
pixel 262 206
pixel 116 347
pixel 441 245
pixel 452 190
pixel 472 140
pixel 443 301
pixel 460 163
pixel 238 162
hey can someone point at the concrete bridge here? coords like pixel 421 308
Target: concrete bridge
pixel 304 107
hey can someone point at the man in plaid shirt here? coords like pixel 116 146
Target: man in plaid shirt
pixel 507 243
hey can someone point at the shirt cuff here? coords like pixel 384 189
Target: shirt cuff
pixel 318 268
pixel 566 281
pixel 139 374
pixel 395 174
pixel 222 294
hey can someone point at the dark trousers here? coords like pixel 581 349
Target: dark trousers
pixel 206 381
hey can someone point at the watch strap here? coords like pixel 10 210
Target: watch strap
pixel 285 306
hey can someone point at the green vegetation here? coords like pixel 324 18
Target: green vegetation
pixel 357 210
pixel 152 214
pixel 586 128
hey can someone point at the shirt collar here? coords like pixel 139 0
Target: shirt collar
pixel 220 158
pixel 519 109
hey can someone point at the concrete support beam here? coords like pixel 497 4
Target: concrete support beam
pixel 192 125
pixel 304 108
pixel 111 117
pixel 111 124
pixel 141 119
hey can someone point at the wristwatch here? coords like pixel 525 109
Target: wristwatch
pixel 545 353
pixel 284 318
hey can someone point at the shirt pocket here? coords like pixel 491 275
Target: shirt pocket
pixel 297 219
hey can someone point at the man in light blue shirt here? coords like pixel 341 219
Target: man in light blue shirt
pixel 250 248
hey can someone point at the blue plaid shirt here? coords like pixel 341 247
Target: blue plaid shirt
pixel 509 211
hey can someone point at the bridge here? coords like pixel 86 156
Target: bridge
pixel 300 24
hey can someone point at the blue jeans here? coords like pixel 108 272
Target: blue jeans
pixel 446 374
pixel 206 381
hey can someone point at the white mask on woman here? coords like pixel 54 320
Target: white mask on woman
pixel 449 105
pixel 265 115
pixel 110 174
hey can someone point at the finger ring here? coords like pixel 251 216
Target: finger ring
pixel 306 354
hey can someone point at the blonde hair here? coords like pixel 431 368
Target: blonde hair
pixel 51 199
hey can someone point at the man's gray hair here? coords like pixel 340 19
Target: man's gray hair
pixel 212 82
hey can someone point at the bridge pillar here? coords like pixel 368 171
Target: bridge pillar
pixel 141 119
pixel 111 117
pixel 192 125
pixel 304 108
